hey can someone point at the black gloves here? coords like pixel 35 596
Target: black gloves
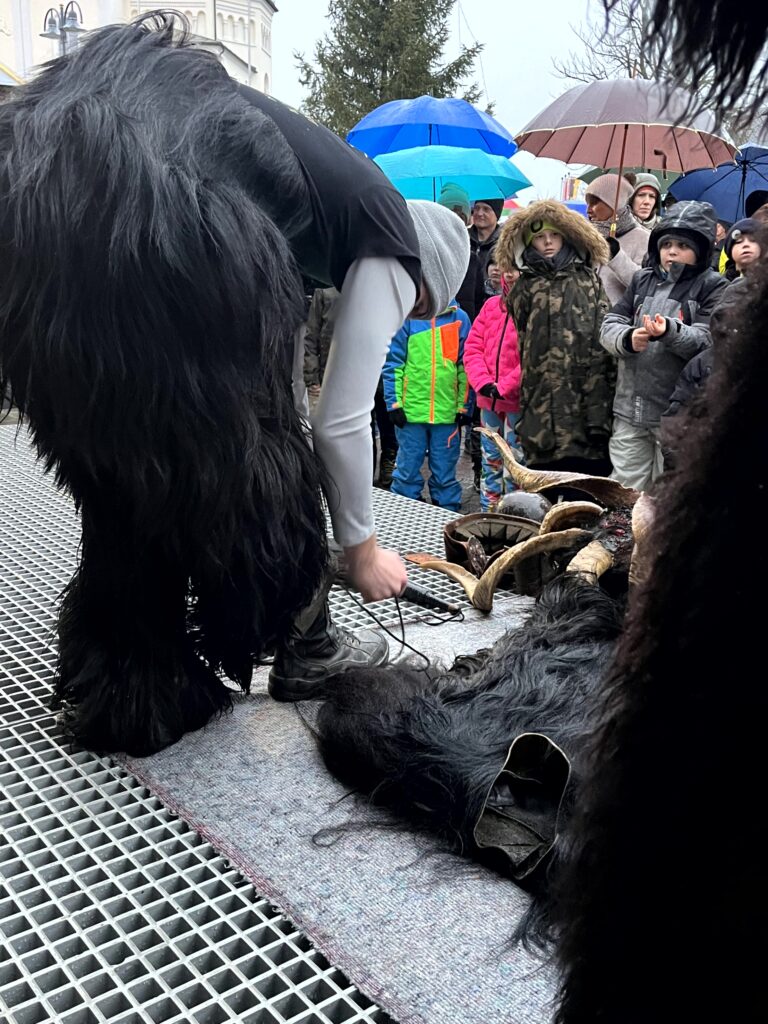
pixel 397 417
pixel 463 419
pixel 614 246
pixel 489 391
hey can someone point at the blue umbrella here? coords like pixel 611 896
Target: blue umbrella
pixel 421 172
pixel 426 121
pixel 727 185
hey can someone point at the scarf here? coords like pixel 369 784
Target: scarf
pixel 625 222
pixel 533 258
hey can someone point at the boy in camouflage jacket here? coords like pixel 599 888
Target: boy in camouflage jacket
pixel 567 382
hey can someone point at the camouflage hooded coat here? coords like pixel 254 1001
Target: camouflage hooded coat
pixel 567 385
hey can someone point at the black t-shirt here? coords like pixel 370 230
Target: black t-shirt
pixel 355 210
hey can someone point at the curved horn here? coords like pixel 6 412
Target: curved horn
pixel 568 514
pixel 642 522
pixel 610 492
pixel 592 560
pixel 455 572
pixel 486 585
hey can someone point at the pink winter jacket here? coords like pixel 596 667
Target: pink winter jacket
pixel 491 355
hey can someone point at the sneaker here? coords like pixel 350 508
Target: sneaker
pixel 300 669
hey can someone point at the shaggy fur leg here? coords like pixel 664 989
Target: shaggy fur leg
pixel 128 678
pixel 430 746
pixel 146 332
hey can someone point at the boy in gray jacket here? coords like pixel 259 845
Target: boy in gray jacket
pixel 661 322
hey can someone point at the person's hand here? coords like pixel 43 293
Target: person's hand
pixel 314 390
pixel 376 572
pixel 397 417
pixel 490 390
pixel 655 326
pixel 640 339
pixel 463 419
pixel 614 245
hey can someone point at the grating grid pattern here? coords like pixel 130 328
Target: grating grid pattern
pixel 112 909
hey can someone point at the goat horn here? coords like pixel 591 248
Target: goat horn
pixel 610 492
pixel 456 572
pixel 486 585
pixel 642 521
pixel 593 560
pixel 567 514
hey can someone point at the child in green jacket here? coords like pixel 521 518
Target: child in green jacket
pixel 426 392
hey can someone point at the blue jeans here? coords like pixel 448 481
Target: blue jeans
pixel 440 443
pixel 495 481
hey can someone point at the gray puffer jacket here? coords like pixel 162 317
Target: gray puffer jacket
pixel 685 297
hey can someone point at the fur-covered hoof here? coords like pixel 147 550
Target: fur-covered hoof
pixel 140 709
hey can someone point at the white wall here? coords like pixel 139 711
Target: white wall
pixel 22 21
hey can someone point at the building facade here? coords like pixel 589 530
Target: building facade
pixel 238 31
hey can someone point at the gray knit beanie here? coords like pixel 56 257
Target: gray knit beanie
pixel 443 248
pixel 644 180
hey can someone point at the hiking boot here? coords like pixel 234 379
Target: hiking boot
pixel 386 469
pixel 315 649
pixel 299 671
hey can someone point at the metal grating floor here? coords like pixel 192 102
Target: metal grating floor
pixel 112 909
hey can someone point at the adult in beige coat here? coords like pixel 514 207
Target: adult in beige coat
pixel 629 244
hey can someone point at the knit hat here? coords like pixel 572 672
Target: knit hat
pixel 497 205
pixel 443 249
pixel 746 226
pixel 604 189
pixel 537 227
pixel 643 180
pixel 454 195
pixel 690 237
pixel 754 201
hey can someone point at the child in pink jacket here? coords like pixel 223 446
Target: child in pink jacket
pixel 492 362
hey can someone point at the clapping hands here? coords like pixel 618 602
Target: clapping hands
pixel 653 327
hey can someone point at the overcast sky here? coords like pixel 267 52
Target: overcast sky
pixel 520 39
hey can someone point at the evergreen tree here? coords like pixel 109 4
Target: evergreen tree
pixel 381 50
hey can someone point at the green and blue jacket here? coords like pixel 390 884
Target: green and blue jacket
pixel 424 373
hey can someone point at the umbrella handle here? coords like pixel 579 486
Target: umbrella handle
pixel 612 232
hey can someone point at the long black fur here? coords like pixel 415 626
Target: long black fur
pixel 662 901
pixel 147 310
pixel 429 745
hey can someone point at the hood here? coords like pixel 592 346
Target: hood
pixel 698 218
pixel 586 240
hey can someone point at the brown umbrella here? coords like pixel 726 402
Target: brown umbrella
pixel 626 122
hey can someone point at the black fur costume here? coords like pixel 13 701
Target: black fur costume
pixel 147 313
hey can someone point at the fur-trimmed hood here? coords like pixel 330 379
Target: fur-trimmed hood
pixel 587 241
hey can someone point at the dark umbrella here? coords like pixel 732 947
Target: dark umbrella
pixel 727 186
pixel 623 123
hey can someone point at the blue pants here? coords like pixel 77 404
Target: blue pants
pixel 441 444
pixel 495 480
